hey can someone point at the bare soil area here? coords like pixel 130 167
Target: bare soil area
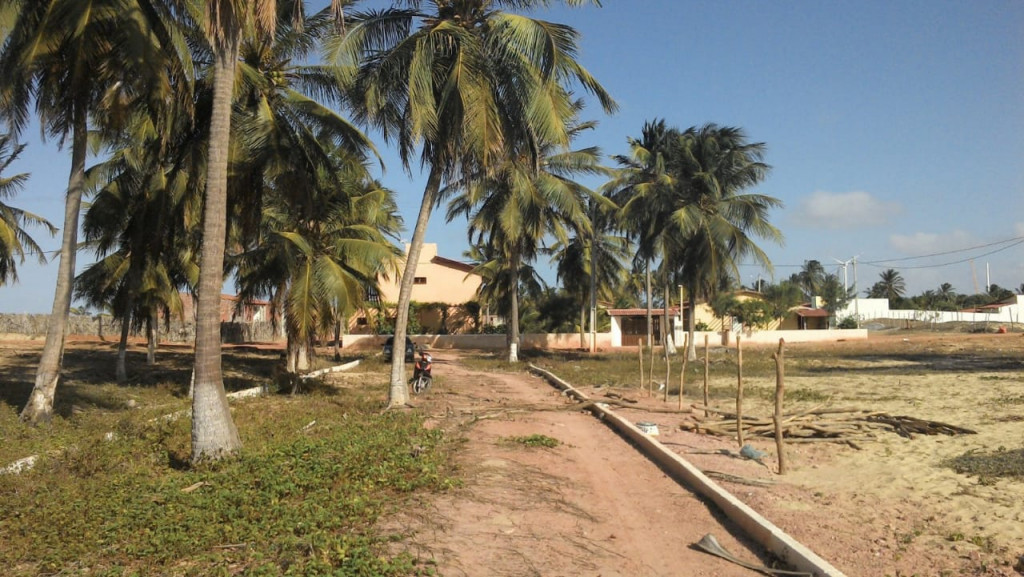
pixel 593 505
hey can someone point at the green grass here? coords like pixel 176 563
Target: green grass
pixel 316 473
pixel 535 440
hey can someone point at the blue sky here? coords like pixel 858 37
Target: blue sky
pixel 895 129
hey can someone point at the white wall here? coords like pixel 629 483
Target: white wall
pixel 867 309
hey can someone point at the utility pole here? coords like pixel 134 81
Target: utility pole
pixel 856 297
pixel 593 278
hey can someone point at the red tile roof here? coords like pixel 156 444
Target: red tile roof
pixel 641 312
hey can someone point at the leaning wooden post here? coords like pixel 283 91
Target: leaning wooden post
pixel 640 351
pixel 779 366
pixel 707 364
pixel 739 391
pixel 682 371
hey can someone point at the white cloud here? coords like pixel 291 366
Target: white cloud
pixel 838 210
pixel 924 243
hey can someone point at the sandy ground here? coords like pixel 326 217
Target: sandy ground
pixel 595 506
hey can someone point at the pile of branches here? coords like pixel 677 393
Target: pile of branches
pixel 819 425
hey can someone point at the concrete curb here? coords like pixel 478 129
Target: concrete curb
pixel 328 370
pixel 761 530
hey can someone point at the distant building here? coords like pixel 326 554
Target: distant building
pixel 441 289
pixel 630 325
pixel 253 311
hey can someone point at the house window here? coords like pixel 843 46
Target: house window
pixel 419 280
pixel 361 321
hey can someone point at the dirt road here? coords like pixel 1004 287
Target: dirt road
pixel 590 506
pixel 594 505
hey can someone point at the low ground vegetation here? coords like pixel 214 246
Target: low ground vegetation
pixel 112 492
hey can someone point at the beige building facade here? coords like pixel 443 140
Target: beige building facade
pixel 438 280
pixel 441 287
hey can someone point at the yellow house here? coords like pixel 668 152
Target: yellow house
pixel 801 317
pixel 440 287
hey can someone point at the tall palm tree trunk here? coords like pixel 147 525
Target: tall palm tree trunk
pixel 647 291
pixel 122 351
pixel 151 326
pixel 298 355
pixel 513 321
pixel 398 392
pixel 39 408
pixel 691 325
pixel 593 287
pixel 337 340
pixel 213 432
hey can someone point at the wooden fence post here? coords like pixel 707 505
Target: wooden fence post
pixel 640 350
pixel 682 371
pixel 707 364
pixel 739 391
pixel 779 388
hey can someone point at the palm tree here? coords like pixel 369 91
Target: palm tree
pixel 834 295
pixel 496 287
pixel 302 163
pixel 525 199
pixel 318 269
pixel 889 286
pixel 226 24
pixel 711 225
pixel 810 278
pixel 781 298
pixel 946 296
pixel 73 59
pixel 592 263
pixel 15 243
pixel 466 83
pixel 641 186
pixel 139 226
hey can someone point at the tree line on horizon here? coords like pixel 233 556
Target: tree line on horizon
pixel 231 143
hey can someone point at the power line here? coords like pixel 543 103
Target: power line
pixel 1019 240
pixel 881 263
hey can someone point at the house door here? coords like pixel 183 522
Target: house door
pixel 635 328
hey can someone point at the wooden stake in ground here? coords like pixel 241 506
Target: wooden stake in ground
pixel 779 387
pixel 650 373
pixel 640 355
pixel 682 371
pixel 739 391
pixel 668 370
pixel 707 364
